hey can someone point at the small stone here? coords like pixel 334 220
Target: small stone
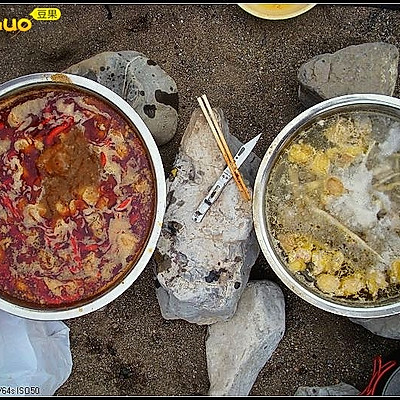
pixel 364 68
pixel 238 349
pixel 147 88
pixel 125 372
pixel 340 389
pixel 388 327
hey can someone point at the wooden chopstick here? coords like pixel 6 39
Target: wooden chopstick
pixel 223 146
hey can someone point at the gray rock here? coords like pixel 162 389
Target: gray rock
pixel 341 389
pixel 202 268
pixel 388 327
pixel 364 68
pixel 150 91
pixel 238 349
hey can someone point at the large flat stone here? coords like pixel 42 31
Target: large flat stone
pixel 363 68
pixel 202 268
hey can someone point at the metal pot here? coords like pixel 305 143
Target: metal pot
pixel 77 82
pixel 357 102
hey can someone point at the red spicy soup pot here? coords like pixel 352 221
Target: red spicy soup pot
pixel 82 196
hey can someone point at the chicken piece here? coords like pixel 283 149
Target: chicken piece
pixel 301 253
pixel 328 283
pixel 343 156
pixel 297 247
pixel 375 280
pixel 334 186
pixel 351 285
pixel 394 271
pixel 326 261
pixel 300 153
pixel 297 265
pixel 91 195
pixel 320 164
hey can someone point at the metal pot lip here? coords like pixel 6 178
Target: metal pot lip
pixel 31 80
pixel 259 218
pixel 392 384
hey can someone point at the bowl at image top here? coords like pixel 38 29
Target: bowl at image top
pixel 82 196
pixel 326 205
pixel 276 11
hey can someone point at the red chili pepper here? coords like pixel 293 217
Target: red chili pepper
pixel 49 139
pixel 11 154
pixel 8 181
pixel 91 247
pixel 1 125
pixel 43 122
pixel 124 204
pixel 37 181
pixel 103 159
pixel 77 256
pixel 15 233
pixel 133 218
pixel 74 245
pixel 7 203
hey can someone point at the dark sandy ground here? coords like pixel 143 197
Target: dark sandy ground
pixel 246 66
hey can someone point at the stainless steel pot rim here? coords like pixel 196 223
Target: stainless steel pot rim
pixel 259 218
pixel 98 89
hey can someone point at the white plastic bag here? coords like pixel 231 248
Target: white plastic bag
pixel 35 356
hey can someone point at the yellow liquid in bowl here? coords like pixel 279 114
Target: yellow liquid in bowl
pixel 276 11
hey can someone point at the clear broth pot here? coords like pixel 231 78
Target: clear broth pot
pixel 327 202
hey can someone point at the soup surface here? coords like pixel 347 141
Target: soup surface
pixel 276 11
pixel 77 196
pixel 333 206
